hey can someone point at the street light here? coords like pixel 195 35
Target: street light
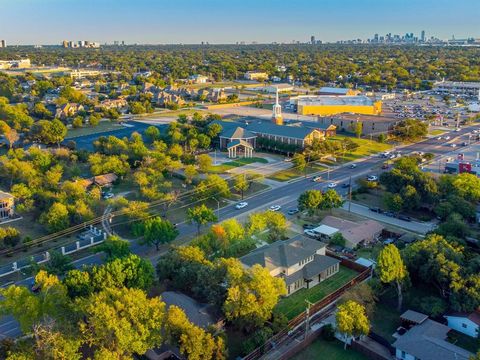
pixel 218 208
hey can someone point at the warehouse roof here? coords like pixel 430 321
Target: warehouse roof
pixel 335 100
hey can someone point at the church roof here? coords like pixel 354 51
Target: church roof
pixel 237 133
pixel 238 142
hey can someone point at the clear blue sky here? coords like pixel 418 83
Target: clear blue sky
pixel 228 21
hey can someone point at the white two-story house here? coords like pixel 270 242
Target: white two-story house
pixel 300 261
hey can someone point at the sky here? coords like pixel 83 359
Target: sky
pixel 229 21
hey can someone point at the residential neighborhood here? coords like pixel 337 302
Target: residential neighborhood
pixel 171 190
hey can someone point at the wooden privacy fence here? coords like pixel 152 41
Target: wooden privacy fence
pixel 282 336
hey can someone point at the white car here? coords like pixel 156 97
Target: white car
pixel 457 129
pixel 447 137
pixel 332 185
pixel 372 178
pixel 108 196
pixel 241 205
pixel 275 208
pixel 439 138
pixel 453 145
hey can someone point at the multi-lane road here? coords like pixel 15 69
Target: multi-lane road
pixel 286 196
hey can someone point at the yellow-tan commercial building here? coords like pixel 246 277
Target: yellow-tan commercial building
pixel 332 105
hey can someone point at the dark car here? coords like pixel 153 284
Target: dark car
pixel 345 186
pixel 308 226
pixel 404 217
pixel 389 213
pixel 376 209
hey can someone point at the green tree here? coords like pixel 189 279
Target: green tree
pixel 390 269
pixel 310 200
pixel 114 247
pixel 358 129
pixel 241 183
pixel 410 130
pixel 338 239
pixel 276 224
pixel 204 162
pixel 193 342
pixel 31 309
pixel 56 218
pixel 158 231
pixel 121 322
pixel 152 133
pixel 200 215
pixel 131 272
pixel 77 122
pixel 252 295
pixel 299 162
pixel 393 202
pixel 190 172
pixel 331 200
pixel 352 320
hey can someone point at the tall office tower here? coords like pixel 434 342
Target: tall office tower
pixel 123 42
pixel 312 39
pixel 422 36
pixel 3 44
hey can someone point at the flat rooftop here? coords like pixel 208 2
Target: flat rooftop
pixel 335 100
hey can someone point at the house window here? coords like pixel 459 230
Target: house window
pixel 464 325
pixel 403 354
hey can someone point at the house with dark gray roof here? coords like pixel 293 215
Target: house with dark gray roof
pixel 425 339
pixel 252 129
pixel 300 261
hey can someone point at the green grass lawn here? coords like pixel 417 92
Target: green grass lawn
pixel 331 350
pixel 464 341
pixel 169 114
pixel 385 321
pixel 292 173
pixel 103 126
pixel 436 132
pixel 253 189
pixel 366 147
pixel 218 169
pixel 294 304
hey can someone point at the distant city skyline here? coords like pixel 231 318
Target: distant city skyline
pixel 215 21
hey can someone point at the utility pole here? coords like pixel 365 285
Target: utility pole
pixel 350 194
pixel 307 318
pixel 458 120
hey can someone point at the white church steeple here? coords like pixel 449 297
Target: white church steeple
pixel 277 111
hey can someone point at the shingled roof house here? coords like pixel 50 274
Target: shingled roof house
pixel 300 261
pixel 425 339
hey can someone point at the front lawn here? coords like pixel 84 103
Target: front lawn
pixel 218 169
pixel 293 173
pixel 295 304
pixel 103 126
pixel 331 350
pixel 366 147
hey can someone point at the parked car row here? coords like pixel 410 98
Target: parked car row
pixel 390 214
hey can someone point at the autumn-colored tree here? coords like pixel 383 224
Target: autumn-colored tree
pixel 351 320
